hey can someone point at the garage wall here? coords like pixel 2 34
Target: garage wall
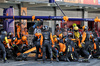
pixel 16 12
pixel 43 11
pixel 93 15
pixel 39 13
pixel 70 13
pixel 1 11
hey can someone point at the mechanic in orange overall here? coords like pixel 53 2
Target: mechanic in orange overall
pixel 37 38
pixel 25 33
pixel 23 44
pixel 54 49
pixel 85 43
pixel 62 48
pixel 18 28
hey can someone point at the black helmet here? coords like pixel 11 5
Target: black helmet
pixel 70 34
pixel 95 40
pixel 45 27
pixel 86 28
pixel 66 40
pixel 1 26
pixel 3 32
pixel 10 34
pixel 14 39
pixel 91 36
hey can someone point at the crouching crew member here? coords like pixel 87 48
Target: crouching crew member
pixel 85 43
pixel 23 44
pixel 54 49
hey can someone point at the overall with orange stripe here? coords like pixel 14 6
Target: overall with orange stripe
pixel 3 37
pixel 22 41
pixel 9 38
pixel 14 47
pixel 54 49
pixel 71 53
pixel 62 48
pixel 22 44
pixel 45 42
pixel 25 33
pixel 18 29
pixel 95 46
pixel 36 40
pixel 85 42
pixel 61 43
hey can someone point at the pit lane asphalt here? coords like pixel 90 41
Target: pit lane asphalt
pixel 31 62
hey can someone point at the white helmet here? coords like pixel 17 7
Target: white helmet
pixel 45 27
